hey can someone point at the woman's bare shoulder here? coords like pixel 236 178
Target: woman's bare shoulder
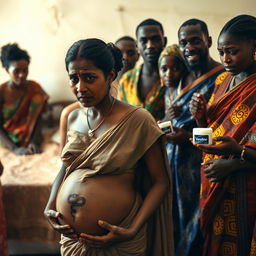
pixel 68 109
pixel 76 118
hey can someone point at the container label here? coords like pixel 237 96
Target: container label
pixel 201 139
pixel 166 129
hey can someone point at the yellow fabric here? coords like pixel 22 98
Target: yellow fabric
pixel 129 93
pixel 171 50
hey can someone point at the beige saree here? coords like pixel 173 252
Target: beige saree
pixel 120 150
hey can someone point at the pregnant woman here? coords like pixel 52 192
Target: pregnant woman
pixel 112 195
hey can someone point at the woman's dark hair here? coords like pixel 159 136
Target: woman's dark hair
pixel 104 56
pixel 12 52
pixel 242 26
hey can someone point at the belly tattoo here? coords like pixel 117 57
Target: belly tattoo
pixel 75 201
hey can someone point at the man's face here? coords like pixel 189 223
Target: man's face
pixel 150 42
pixel 129 52
pixel 194 45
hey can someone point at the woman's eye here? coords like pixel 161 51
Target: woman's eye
pixel 89 78
pixel 221 53
pixel 175 69
pixel 163 69
pixel 233 52
pixel 73 79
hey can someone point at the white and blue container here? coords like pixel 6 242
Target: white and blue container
pixel 202 136
pixel 166 127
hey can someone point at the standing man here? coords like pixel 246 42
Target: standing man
pixel 184 158
pixel 141 86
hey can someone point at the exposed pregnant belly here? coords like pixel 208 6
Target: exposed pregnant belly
pixel 82 204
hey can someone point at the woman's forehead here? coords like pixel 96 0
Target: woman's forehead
pixel 81 64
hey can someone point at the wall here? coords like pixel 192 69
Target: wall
pixel 46 28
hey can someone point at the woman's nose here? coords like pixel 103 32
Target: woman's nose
pixel 226 58
pixel 22 74
pixel 168 73
pixel 81 86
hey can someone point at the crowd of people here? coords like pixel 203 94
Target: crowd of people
pixel 126 187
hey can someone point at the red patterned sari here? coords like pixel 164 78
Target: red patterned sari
pixel 228 207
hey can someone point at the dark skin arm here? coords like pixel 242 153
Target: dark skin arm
pixel 36 139
pixel 172 112
pixel 9 144
pixel 179 137
pixel 198 108
pixel 1 168
pixel 217 169
pixel 155 163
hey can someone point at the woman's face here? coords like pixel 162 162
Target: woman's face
pixel 171 70
pixel 236 55
pixel 18 71
pixel 88 83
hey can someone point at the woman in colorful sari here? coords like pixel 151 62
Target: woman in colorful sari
pixel 112 195
pixel 21 104
pixel 3 238
pixel 228 185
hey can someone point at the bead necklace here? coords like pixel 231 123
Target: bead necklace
pixel 91 132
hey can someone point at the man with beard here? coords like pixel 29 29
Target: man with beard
pixel 184 158
pixel 141 86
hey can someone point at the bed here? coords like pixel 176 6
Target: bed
pixel 26 185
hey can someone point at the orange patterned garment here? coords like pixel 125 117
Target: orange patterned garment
pixel 228 207
pixel 20 115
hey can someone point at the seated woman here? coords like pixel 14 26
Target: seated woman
pixel 21 104
pixel 112 195
pixel 228 174
pixel 3 237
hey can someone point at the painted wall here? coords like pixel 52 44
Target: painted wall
pixel 46 28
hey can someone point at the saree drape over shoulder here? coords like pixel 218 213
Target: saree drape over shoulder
pixel 117 151
pixel 185 162
pixel 20 116
pixel 228 208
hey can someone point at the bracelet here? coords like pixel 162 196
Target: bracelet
pixel 242 154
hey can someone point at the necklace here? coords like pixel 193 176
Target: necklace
pixel 91 132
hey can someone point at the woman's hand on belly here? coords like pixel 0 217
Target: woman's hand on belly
pixel 115 234
pixel 65 229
